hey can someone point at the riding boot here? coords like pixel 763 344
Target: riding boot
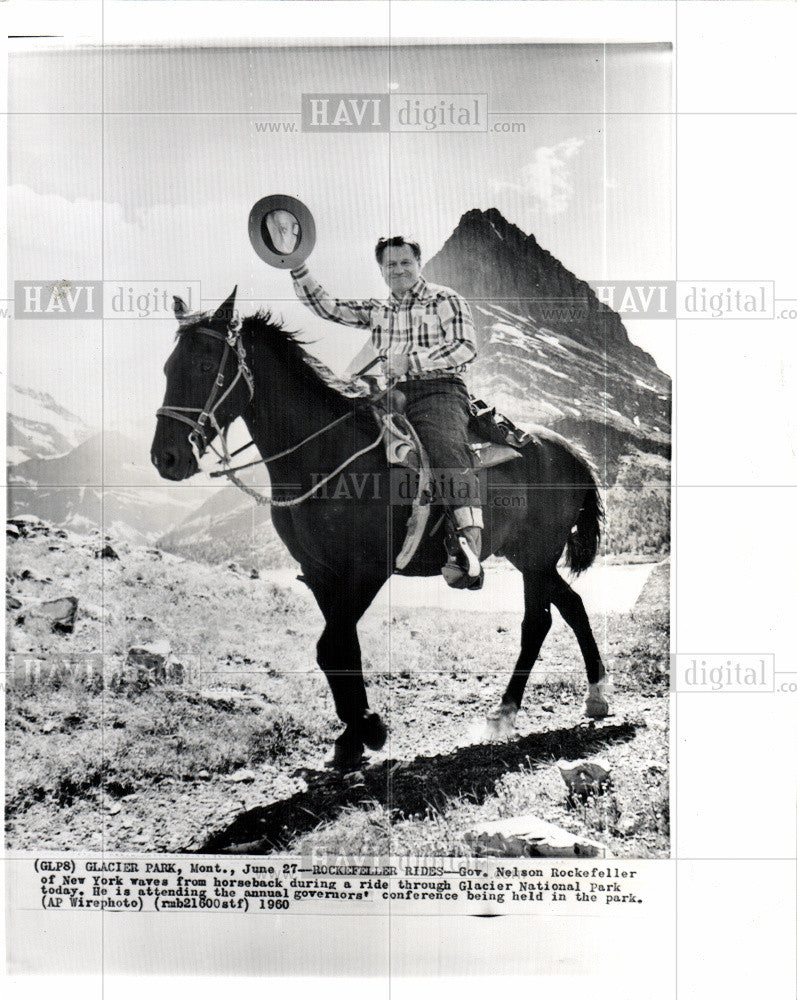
pixel 463 569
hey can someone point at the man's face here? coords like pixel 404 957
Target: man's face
pixel 399 268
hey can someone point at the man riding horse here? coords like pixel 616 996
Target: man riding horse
pixel 424 336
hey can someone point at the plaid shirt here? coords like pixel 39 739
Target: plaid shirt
pixel 431 324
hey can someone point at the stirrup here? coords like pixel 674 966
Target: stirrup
pixel 463 571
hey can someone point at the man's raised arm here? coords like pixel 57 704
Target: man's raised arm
pixel 349 312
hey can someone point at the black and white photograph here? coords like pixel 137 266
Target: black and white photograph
pixel 359 508
pixel 340 399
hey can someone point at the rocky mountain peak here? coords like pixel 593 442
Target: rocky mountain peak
pixel 549 351
pixel 487 258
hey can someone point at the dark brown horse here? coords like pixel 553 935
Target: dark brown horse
pixel 536 507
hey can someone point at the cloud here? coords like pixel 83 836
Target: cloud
pixel 546 177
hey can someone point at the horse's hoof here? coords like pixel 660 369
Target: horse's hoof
pixel 373 731
pixel 596 708
pixel 347 756
pixel 597 705
pixel 500 724
pixel 343 763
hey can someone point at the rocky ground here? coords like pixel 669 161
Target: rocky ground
pixel 176 706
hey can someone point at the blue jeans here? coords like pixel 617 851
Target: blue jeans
pixel 439 410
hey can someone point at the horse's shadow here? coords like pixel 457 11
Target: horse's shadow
pixel 406 788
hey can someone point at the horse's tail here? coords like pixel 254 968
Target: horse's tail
pixel 582 542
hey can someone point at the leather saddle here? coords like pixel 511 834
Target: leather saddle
pixel 494 439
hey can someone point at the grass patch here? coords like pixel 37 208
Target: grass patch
pixel 116 745
pixel 372 830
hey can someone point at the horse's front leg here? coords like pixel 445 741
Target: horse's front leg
pixel 340 658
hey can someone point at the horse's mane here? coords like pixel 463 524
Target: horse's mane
pixel 289 341
pixel 292 348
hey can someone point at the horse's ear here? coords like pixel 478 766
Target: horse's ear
pixel 180 308
pixel 224 314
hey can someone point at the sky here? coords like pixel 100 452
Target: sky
pixel 141 164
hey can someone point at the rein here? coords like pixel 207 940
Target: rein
pixel 268 501
pixel 279 454
pixel 197 437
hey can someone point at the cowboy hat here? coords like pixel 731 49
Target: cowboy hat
pixel 281 230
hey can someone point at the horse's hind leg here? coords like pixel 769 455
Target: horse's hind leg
pixel 571 608
pixel 536 623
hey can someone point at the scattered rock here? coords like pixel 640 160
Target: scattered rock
pixel 629 826
pixel 114 808
pixel 254 574
pixel 12 604
pixel 51 616
pixel 530 837
pixel 547 707
pixel 28 524
pixel 585 777
pixel 28 574
pixel 106 552
pixel 230 700
pixel 153 656
pixel 203 774
pixel 12 531
pixel 242 774
pixel 148 665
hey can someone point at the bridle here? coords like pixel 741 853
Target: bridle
pixel 198 436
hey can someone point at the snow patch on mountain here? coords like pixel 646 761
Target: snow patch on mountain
pixel 39 427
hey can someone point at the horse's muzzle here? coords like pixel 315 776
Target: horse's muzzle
pixel 171 454
pixel 174 465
